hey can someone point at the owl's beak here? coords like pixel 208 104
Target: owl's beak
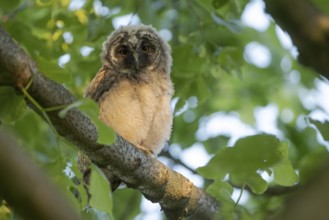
pixel 136 59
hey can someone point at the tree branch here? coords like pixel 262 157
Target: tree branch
pixel 308 28
pixel 177 195
pixel 24 186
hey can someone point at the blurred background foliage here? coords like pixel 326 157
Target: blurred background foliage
pixel 225 91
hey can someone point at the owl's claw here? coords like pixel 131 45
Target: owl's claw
pixel 146 151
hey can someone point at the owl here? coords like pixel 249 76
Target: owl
pixel 133 87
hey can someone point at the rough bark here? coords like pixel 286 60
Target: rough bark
pixel 176 194
pixel 308 28
pixel 24 186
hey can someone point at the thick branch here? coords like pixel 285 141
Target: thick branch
pixel 20 74
pixel 308 28
pixel 24 186
pixel 176 194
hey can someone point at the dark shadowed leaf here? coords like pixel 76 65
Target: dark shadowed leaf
pixel 12 105
pixel 323 127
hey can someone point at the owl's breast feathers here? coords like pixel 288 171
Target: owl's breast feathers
pixel 139 111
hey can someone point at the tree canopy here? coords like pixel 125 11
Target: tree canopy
pixel 223 86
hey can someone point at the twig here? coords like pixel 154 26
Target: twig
pixel 167 154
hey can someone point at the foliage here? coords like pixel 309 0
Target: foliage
pixel 211 66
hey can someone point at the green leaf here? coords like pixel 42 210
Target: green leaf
pixel 323 128
pixel 247 155
pixel 244 159
pixel 93 214
pixel 203 91
pixel 99 189
pixel 12 105
pixel 323 4
pixel 312 162
pixel 106 135
pixel 5 212
pixel 9 5
pixel 257 183
pixel 64 111
pixel 52 70
pixel 212 145
pixel 83 196
pixel 126 199
pixel 221 190
pixel 284 173
pixel 219 3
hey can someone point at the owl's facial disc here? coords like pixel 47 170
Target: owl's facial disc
pixel 135 55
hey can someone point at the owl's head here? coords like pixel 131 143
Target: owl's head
pixel 133 49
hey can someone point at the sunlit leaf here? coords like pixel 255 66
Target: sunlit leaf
pixel 81 15
pixel 284 173
pixel 256 183
pixel 5 212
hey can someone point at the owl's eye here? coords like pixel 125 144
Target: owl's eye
pixel 146 48
pixel 123 50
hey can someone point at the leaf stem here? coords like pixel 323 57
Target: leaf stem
pixel 240 195
pixel 41 110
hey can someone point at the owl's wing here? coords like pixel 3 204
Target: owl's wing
pixel 101 83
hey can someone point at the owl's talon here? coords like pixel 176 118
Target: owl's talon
pixel 148 152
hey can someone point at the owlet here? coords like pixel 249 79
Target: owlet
pixel 133 87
